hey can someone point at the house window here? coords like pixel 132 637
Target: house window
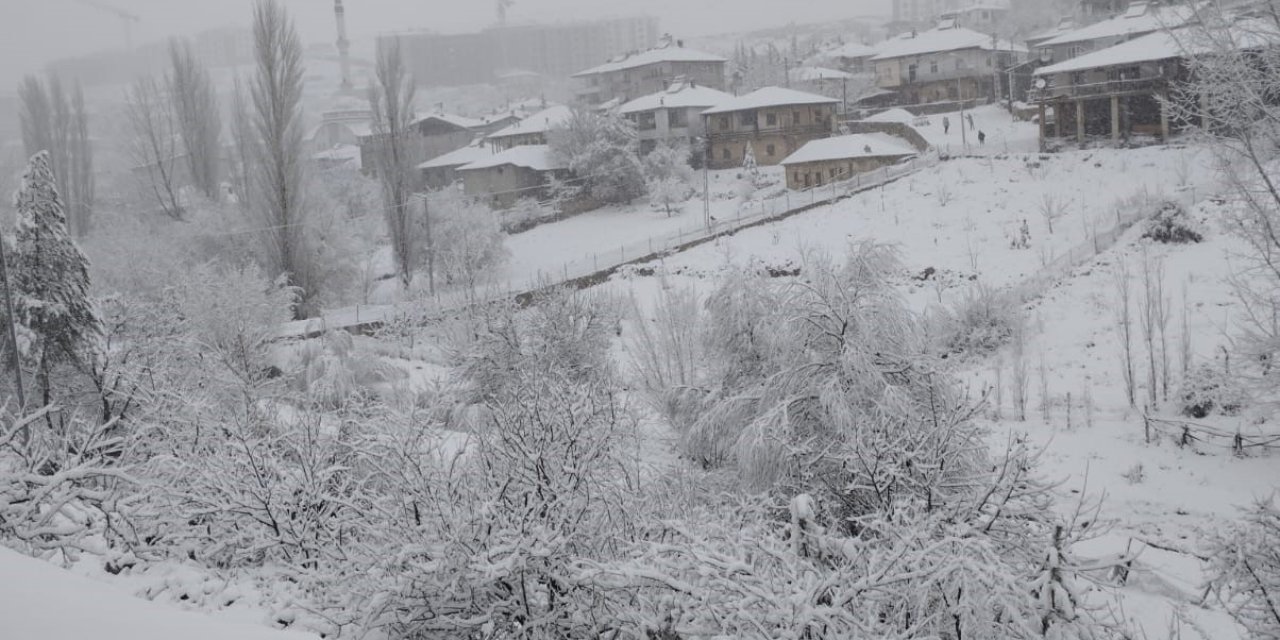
pixel 648 121
pixel 1077 77
pixel 724 153
pixel 989 61
pixel 771 119
pixel 724 123
pixel 831 172
pixel 747 118
pixel 769 150
pixel 959 63
pixel 797 177
pixel 933 66
pixel 911 73
pixel 677 118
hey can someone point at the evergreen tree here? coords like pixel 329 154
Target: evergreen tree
pixel 50 275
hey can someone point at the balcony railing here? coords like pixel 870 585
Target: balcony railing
pixel 751 132
pixel 1094 89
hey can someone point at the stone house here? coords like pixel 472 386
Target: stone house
pixel 442 171
pixel 648 72
pixel 774 121
pixel 531 130
pixel 944 64
pixel 512 175
pixel 842 157
pixel 674 114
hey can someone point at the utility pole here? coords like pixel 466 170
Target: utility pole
pixel 706 179
pixel 13 333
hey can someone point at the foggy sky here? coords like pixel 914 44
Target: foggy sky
pixel 33 32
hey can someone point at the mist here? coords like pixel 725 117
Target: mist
pixel 36 33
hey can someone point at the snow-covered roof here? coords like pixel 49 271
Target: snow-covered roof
pixel 852 50
pixel 1062 27
pixel 652 56
pixel 471 153
pixel 540 122
pixel 892 115
pixel 857 145
pixel 1125 25
pixel 811 74
pixel 941 40
pixel 455 120
pixel 681 96
pixel 357 128
pixel 770 97
pixel 1163 45
pixel 339 153
pixel 537 157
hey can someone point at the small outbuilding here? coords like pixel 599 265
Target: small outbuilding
pixel 840 158
pixel 509 176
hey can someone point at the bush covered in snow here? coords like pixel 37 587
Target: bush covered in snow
pixel 1172 225
pixel 1246 570
pixel 979 324
pixel 1208 390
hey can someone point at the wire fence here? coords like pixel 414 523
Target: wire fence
pixel 1188 434
pixel 773 205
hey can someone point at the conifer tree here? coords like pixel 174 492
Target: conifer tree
pixel 50 275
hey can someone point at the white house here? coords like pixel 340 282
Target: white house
pixel 944 64
pixel 672 114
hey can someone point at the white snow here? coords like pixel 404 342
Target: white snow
pixel 39 601
pixel 892 115
pixel 858 145
pixel 1163 45
pixel 812 74
pixel 939 41
pixel 853 51
pixel 652 56
pixel 679 97
pixel 540 122
pixel 1154 19
pixel 770 97
pixel 536 156
pixel 473 152
pixel 461 122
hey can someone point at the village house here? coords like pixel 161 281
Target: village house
pixel 840 158
pixel 1139 19
pixel 629 77
pixel 509 176
pixel 853 58
pixel 1122 91
pixel 674 114
pixel 431 136
pixel 442 171
pixel 984 18
pixel 944 65
pixel 774 121
pixel 531 130
pixel 832 83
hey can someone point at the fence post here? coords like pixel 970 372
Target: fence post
pixel 1186 436
pixel 1146 428
pixel 1237 445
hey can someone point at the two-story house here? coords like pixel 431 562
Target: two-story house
pixel 531 130
pixel 773 121
pixel 641 74
pixel 944 64
pixel 1139 19
pixel 674 114
pixel 430 136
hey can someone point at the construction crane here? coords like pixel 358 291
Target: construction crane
pixel 129 19
pixel 503 5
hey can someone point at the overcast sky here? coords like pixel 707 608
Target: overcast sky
pixel 33 32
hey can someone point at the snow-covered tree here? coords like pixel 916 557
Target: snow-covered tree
pixel 750 166
pixel 56 122
pixel 668 174
pixel 471 243
pixel 49 275
pixel 394 163
pixel 602 152
pixel 195 105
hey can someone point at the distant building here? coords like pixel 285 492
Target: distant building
pixel 832 83
pixel 985 18
pixel 633 75
pixel 944 64
pixel 430 136
pixel 554 50
pixel 509 176
pixel 775 122
pixel 531 130
pixel 341 127
pixel 853 57
pixel 674 114
pixel 840 158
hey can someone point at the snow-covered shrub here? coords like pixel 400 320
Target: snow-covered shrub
pixel 1246 570
pixel 331 373
pixel 1172 225
pixel 1207 390
pixel 664 349
pixel 979 324
pixel 668 174
pixel 468 239
pixel 602 152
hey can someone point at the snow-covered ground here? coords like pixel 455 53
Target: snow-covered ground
pixel 39 601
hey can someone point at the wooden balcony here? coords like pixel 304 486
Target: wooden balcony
pixel 754 132
pixel 1099 89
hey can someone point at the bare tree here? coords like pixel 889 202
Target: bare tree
pixel 1051 208
pixel 276 194
pixel 244 144
pixel 1124 327
pixel 154 147
pixel 56 122
pixel 195 104
pixel 392 101
pixel 1153 316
